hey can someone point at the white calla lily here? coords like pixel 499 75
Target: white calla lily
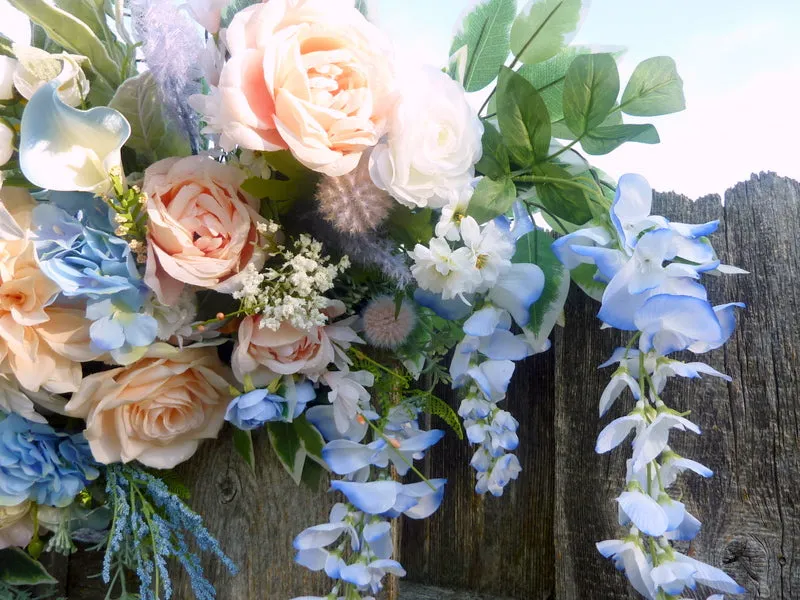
pixel 66 149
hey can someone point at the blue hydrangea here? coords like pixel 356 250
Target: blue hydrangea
pixel 40 464
pixel 257 407
pixel 77 249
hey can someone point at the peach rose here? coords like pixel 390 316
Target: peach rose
pixel 203 227
pixel 313 76
pixel 41 344
pixel 156 410
pixel 264 354
pixel 16 525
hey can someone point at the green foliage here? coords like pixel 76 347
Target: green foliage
pixel 361 6
pixel 75 36
pixel 289 183
pixel 481 46
pixel 655 88
pixel 243 443
pixel 433 405
pixel 491 198
pixel 153 135
pixel 523 119
pixel 494 162
pixel 604 139
pixel 591 88
pixel 410 227
pixel 233 7
pixel 583 276
pixel 543 28
pixel 535 248
pixel 18 568
pixel 294 444
pixel 561 195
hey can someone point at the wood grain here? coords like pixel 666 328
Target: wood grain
pixel 537 541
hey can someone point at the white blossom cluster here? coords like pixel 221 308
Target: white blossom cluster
pixel 292 287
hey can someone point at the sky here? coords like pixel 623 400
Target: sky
pixel 739 59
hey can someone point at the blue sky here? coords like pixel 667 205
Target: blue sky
pixel 740 61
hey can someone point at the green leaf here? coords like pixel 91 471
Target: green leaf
pixel 17 568
pixel 491 198
pixel 655 88
pixel 153 136
pixel 73 34
pixel 310 438
pixel 583 276
pixel 297 183
pixel 494 161
pixel 523 119
pixel 565 201
pixel 591 88
pixel 88 11
pixel 243 442
pixel 434 405
pixel 288 448
pixel 544 27
pixel 484 33
pixel 233 7
pixel 603 140
pixel 535 248
pixel 409 227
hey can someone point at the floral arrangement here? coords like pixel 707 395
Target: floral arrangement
pixel 254 213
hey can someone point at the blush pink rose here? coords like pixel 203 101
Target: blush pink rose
pixel 203 227
pixel 313 76
pixel 264 354
pixel 156 410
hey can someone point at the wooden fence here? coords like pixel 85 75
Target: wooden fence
pixel 537 541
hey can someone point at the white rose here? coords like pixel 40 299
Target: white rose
pixel 433 144
pixel 7 67
pixel 6 143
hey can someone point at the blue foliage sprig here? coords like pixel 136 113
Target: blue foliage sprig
pixel 149 527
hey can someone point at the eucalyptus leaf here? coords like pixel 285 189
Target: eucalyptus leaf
pixel 494 160
pixel 361 6
pixel 243 442
pixel 591 88
pixel 559 196
pixel 535 248
pixel 233 7
pixel 544 27
pixel 153 136
pixel 523 119
pixel 73 34
pixel 18 568
pixel 288 448
pixel 604 139
pixel 491 198
pixel 655 88
pixel 485 35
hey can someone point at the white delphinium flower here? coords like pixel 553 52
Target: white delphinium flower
pixel 453 213
pixel 440 269
pixel 491 249
pixel 175 321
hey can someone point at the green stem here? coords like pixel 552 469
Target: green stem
pixel 562 150
pixel 558 221
pixel 359 354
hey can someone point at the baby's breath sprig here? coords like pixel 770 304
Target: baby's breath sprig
pixel 129 203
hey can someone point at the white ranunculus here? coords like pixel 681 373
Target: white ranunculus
pixel 433 144
pixel 37 67
pixel 6 143
pixel 7 67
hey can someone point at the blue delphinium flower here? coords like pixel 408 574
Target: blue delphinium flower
pixel 39 464
pixel 257 407
pixel 77 249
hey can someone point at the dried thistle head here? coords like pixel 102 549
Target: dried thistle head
pixel 351 202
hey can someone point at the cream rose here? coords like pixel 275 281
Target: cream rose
pixel 203 227
pixel 156 410
pixel 433 144
pixel 313 76
pixel 16 525
pixel 264 354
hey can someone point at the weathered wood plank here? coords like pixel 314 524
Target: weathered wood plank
pixel 500 546
pixel 414 591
